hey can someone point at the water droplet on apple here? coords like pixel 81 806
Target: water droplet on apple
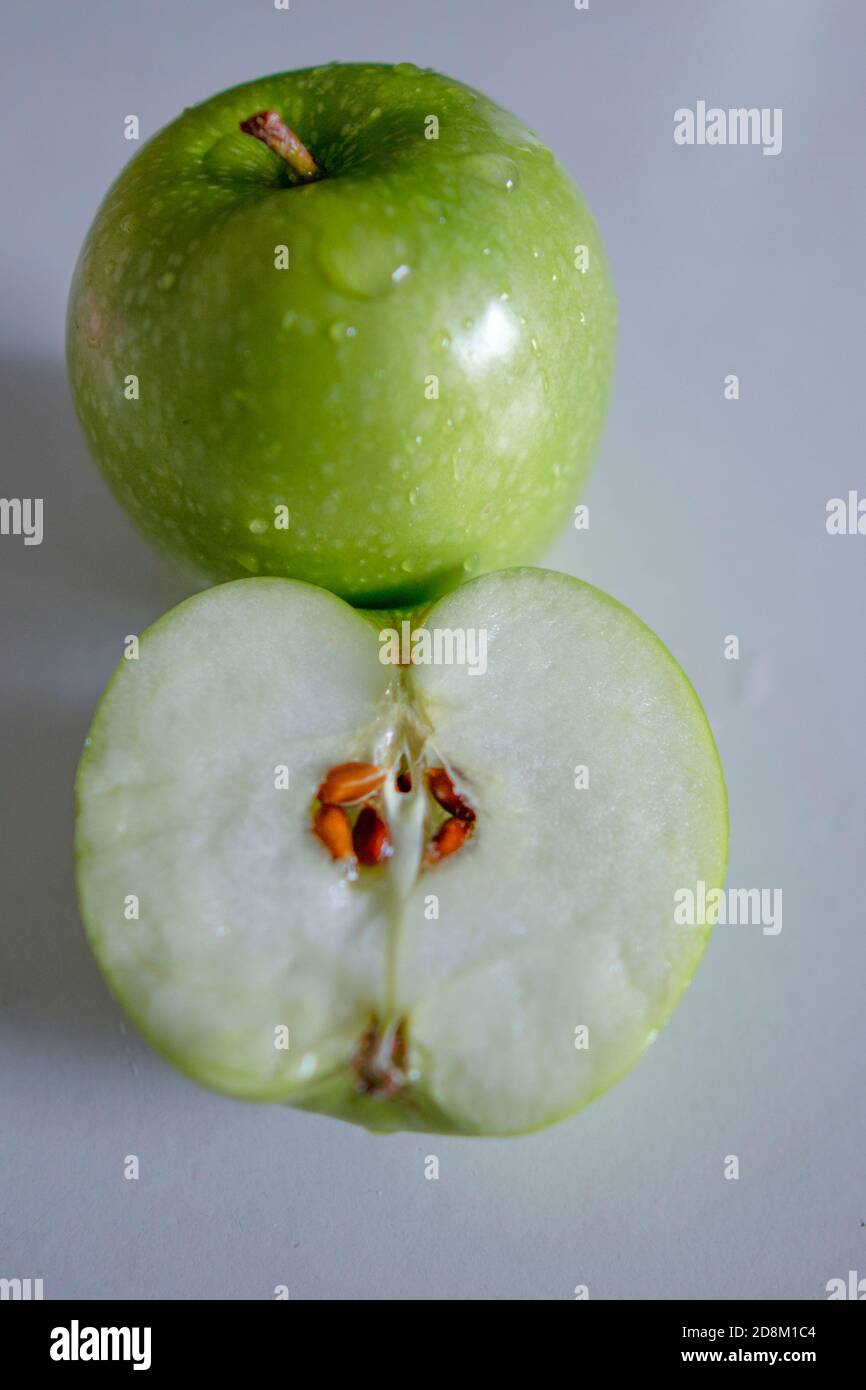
pixel 495 169
pixel 258 526
pixel 363 262
pixel 471 563
pixel 407 566
pixel 166 281
pixel 340 330
pixel 307 1066
pixel 413 496
pixel 247 562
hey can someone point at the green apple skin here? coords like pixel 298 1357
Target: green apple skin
pixel 424 385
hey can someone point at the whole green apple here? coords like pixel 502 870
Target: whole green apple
pixel 376 358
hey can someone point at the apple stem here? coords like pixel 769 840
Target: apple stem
pixel 272 130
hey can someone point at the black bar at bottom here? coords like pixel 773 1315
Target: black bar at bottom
pixel 156 1337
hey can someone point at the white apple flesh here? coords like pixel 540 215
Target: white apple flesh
pixel 492 992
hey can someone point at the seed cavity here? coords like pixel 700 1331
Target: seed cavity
pixel 350 783
pixel 403 780
pixel 362 837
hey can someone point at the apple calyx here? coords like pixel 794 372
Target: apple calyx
pixel 380 1063
pixel 368 841
pixel 271 129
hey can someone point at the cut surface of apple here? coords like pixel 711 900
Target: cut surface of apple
pixel 429 896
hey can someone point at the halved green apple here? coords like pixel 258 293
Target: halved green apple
pixel 417 896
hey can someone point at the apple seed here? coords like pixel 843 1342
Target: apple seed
pixel 331 824
pixel 451 836
pixel 350 782
pixel 442 788
pixel 370 838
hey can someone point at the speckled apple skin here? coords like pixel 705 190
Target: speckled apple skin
pixel 416 398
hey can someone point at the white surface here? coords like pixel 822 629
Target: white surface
pixel 707 518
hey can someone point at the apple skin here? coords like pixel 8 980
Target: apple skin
pixel 415 264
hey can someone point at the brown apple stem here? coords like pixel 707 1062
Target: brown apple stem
pixel 272 130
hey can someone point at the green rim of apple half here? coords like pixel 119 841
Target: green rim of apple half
pixel 415 882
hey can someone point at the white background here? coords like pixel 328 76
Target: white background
pixel 708 517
